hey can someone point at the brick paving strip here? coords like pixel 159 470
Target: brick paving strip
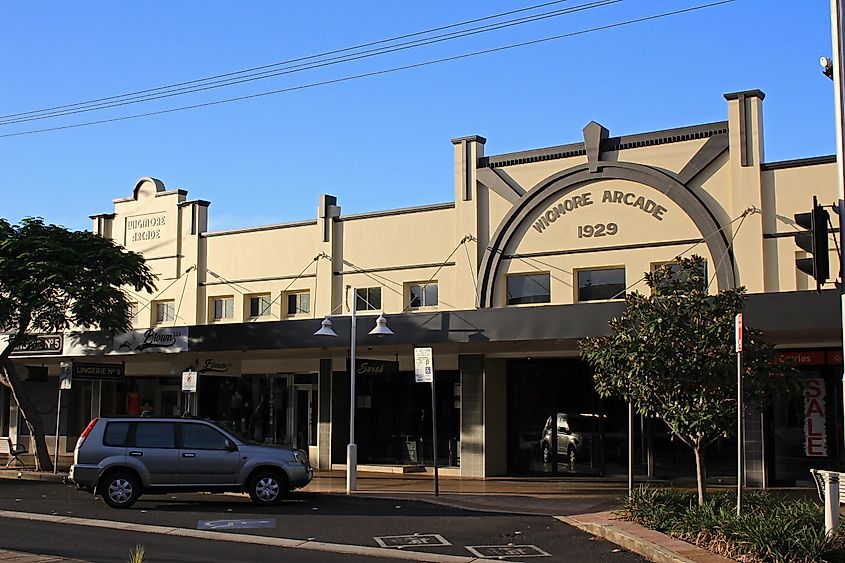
pixel 650 544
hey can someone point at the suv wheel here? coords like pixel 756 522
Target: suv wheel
pixel 120 489
pixel 268 488
pixel 570 455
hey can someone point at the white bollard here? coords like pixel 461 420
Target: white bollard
pixel 831 501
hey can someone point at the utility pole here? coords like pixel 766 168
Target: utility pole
pixel 836 22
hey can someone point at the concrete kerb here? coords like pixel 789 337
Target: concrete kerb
pixel 650 544
pixel 29 475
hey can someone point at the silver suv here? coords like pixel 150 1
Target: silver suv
pixel 120 458
pixel 577 435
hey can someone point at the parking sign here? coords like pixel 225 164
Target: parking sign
pixel 189 381
pixel 423 365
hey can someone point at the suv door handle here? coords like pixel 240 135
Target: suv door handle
pixel 188 454
pixel 136 454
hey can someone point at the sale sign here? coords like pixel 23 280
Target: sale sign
pixel 815 434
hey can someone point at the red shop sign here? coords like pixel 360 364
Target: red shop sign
pixel 835 358
pixel 807 358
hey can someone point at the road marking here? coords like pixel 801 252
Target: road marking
pixel 412 540
pixel 507 551
pixel 243 538
pixel 235 524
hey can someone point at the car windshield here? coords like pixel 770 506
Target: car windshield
pixel 237 433
pixel 584 423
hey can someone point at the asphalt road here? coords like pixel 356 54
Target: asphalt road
pixel 335 519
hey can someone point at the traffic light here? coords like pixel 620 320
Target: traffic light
pixel 814 241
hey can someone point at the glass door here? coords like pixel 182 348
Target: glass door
pixel 270 418
pixel 306 416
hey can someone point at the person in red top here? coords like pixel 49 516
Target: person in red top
pixel 133 401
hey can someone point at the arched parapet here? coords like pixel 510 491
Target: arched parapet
pixel 147 186
pixel 548 191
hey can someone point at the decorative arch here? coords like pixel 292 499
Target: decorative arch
pixel 558 185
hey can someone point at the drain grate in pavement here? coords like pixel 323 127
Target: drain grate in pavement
pixel 507 551
pixel 413 540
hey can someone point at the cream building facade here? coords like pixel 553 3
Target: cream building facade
pixel 536 251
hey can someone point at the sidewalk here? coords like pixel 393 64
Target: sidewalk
pixel 586 503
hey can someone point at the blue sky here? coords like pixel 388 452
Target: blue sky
pixel 381 142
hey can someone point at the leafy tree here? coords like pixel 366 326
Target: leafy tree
pixel 52 279
pixel 672 354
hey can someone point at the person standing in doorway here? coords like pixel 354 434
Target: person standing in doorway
pixel 133 400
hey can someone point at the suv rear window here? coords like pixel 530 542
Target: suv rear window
pixel 116 433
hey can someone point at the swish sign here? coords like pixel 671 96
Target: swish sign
pixel 170 339
pixel 374 367
pixel 815 433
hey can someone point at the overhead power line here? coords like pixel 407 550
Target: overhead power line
pixel 319 62
pixel 380 72
pixel 288 61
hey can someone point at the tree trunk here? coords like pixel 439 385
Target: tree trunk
pixel 699 472
pixel 30 416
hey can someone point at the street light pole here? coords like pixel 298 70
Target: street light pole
pixel 379 330
pixel 352 449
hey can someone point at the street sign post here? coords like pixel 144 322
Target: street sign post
pixel 740 438
pixel 189 388
pixel 424 373
pixel 65 379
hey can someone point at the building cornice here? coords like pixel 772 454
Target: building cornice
pixel 666 136
pixel 798 162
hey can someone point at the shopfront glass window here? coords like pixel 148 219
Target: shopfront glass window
pixel 529 288
pixel 393 419
pixel 4 411
pixel 597 285
pixel 804 431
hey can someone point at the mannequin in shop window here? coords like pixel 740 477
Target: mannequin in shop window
pixel 133 400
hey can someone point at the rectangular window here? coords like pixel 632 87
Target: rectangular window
pixel 223 308
pixel 259 306
pixel 154 435
pixel 596 285
pixel 299 303
pixel 675 268
pixel 368 299
pixel 165 311
pixel 116 434
pixel 529 288
pixel 133 312
pixel 423 295
pixel 202 437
